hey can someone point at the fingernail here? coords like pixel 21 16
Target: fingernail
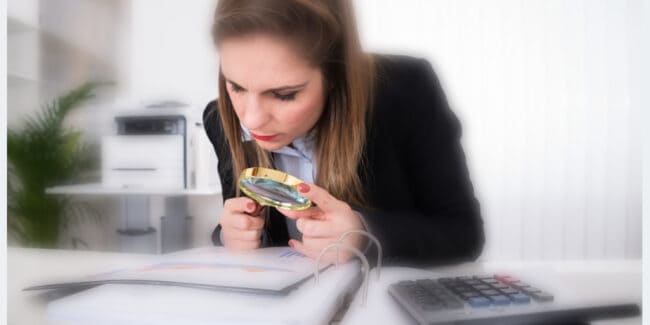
pixel 303 188
pixel 250 206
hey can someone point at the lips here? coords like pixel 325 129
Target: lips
pixel 263 137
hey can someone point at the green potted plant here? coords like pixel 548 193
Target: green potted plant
pixel 45 153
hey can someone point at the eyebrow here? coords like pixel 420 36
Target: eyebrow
pixel 274 90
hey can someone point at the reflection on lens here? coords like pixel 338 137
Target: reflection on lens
pixel 272 187
pixel 273 190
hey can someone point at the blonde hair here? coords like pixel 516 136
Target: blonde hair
pixel 325 31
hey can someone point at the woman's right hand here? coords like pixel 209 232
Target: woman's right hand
pixel 241 224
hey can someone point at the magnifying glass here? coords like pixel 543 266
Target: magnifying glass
pixel 272 187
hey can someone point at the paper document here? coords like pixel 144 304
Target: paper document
pixel 275 270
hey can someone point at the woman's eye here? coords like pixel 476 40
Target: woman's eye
pixel 286 97
pixel 236 89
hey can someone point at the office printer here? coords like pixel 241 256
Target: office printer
pixel 161 146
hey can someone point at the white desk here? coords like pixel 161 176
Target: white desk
pixel 31 266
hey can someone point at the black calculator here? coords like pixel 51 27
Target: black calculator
pixel 493 299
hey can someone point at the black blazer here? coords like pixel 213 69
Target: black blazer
pixel 423 208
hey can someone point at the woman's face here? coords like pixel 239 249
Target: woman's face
pixel 276 93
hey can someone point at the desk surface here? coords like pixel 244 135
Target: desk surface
pixel 31 266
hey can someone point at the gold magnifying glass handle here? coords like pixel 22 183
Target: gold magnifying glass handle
pixel 271 174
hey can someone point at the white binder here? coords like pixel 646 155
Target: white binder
pixel 311 303
pixel 315 301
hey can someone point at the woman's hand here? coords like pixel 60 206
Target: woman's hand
pixel 324 224
pixel 241 224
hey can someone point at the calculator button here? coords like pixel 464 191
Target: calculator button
pixel 520 285
pixel 460 289
pixel 503 278
pixel 432 287
pixel 482 287
pixel 509 291
pixel 437 291
pixel 490 292
pixel 530 290
pixel 507 279
pixel 469 294
pixel 514 283
pixel 542 296
pixel 453 303
pixel 419 292
pixel 520 299
pixel 425 300
pixel 500 300
pixel 479 302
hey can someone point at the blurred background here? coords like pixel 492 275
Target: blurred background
pixel 548 93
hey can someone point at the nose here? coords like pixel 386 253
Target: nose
pixel 254 116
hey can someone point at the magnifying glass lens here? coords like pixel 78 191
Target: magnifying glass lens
pixel 273 188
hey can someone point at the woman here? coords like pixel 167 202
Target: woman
pixel 372 137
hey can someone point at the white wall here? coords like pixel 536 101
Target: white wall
pixel 171 53
pixel 548 93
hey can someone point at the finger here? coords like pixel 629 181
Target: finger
pixel 238 221
pixel 313 212
pixel 314 249
pixel 317 245
pixel 241 245
pixel 243 235
pixel 240 204
pixel 242 221
pixel 260 210
pixel 256 223
pixel 319 195
pixel 299 247
pixel 316 228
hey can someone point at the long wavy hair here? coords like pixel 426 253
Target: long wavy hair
pixel 325 31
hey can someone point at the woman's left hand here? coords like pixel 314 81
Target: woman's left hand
pixel 323 224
